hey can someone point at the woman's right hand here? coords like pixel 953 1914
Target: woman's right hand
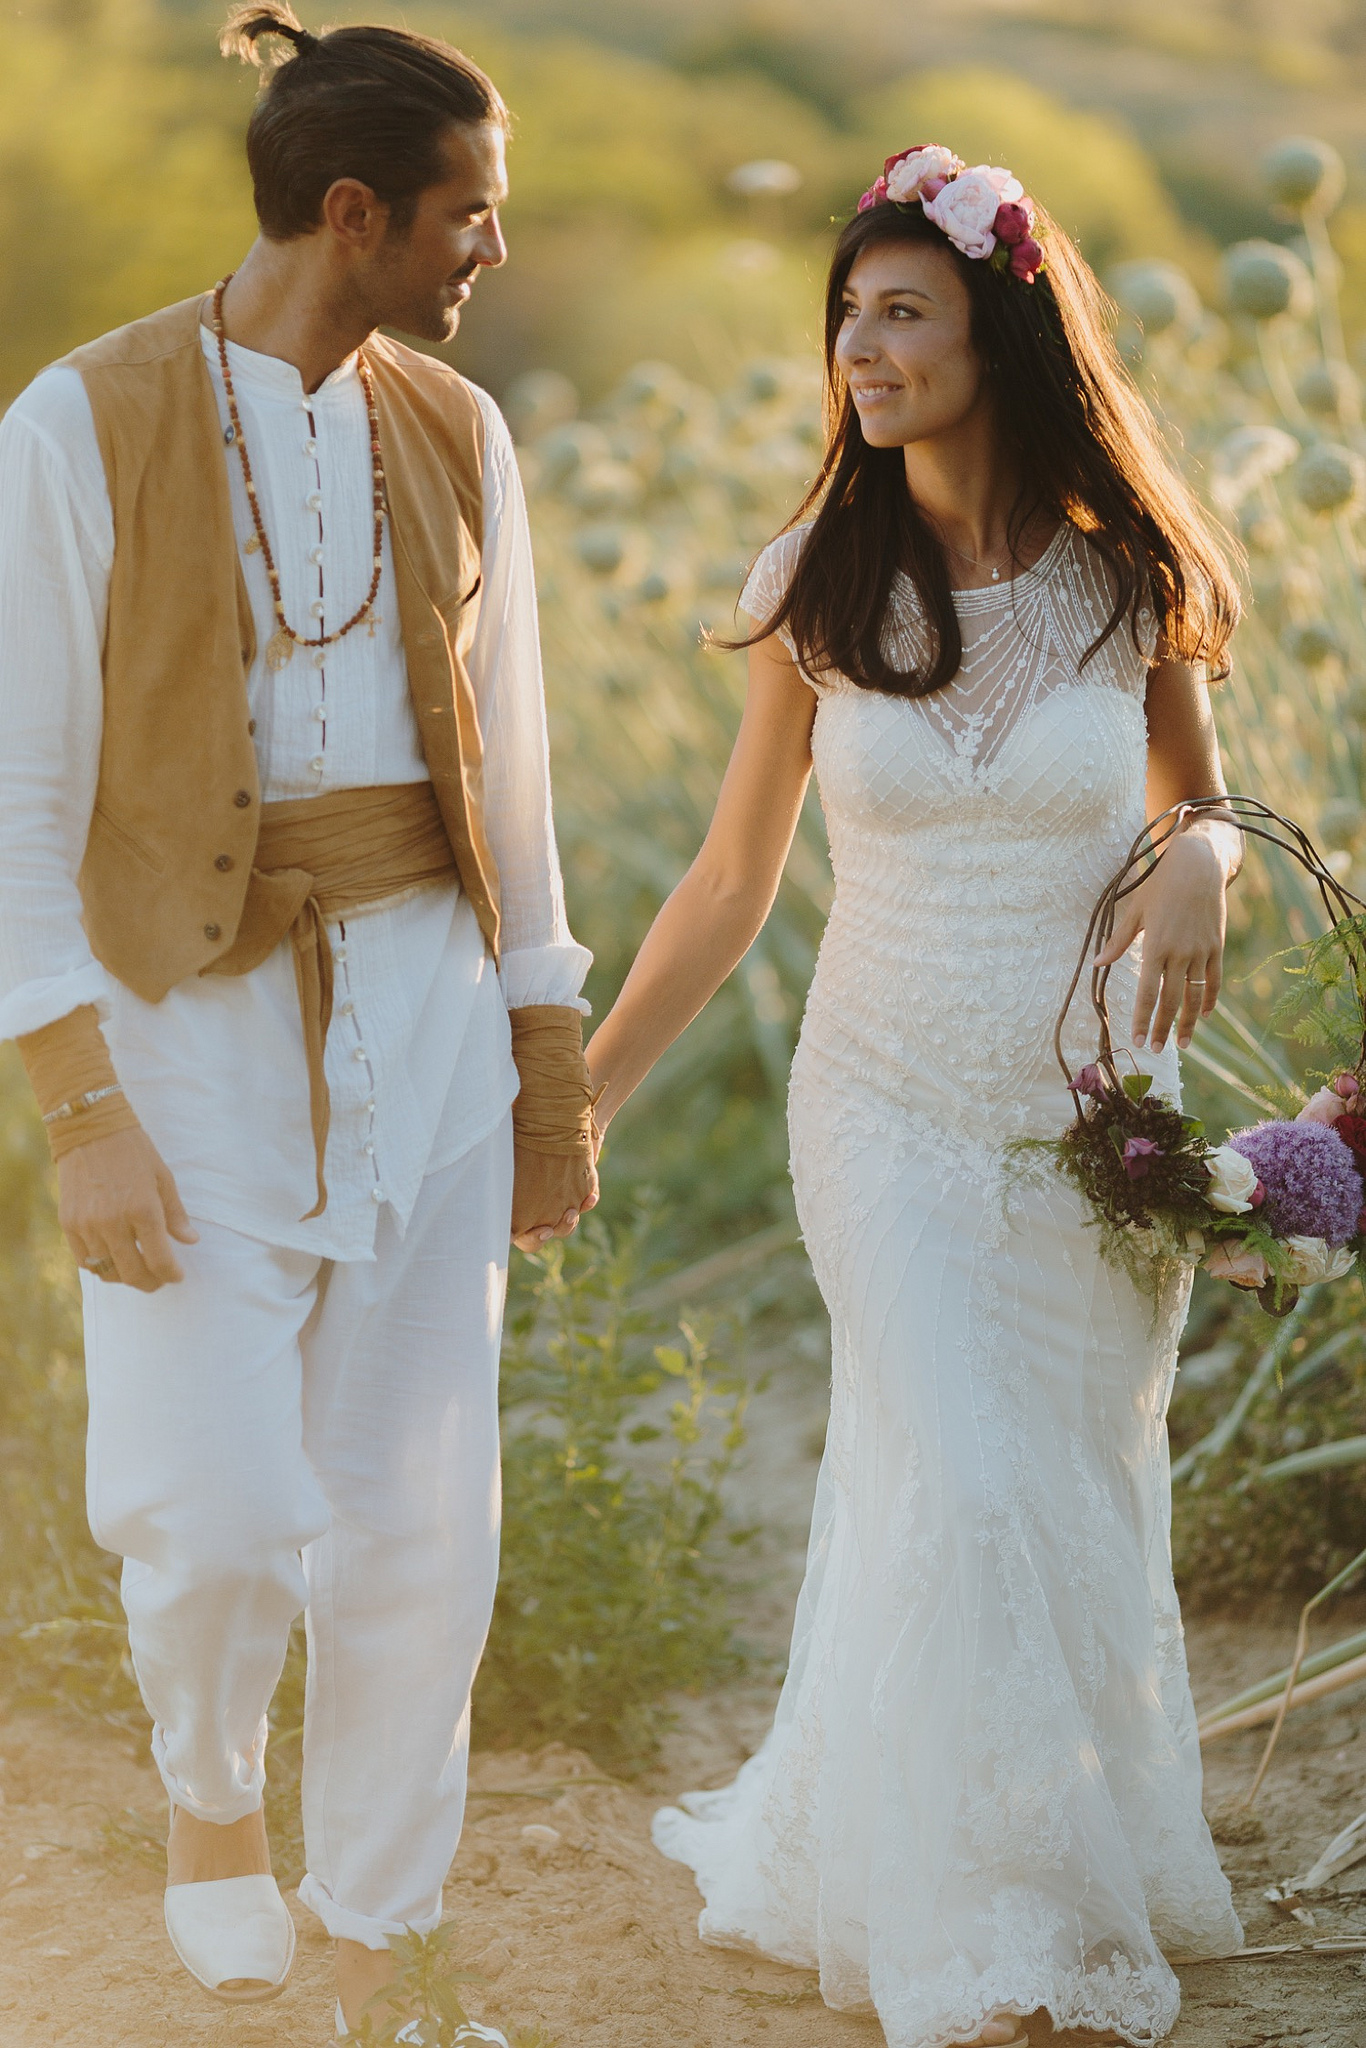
pixel 117 1202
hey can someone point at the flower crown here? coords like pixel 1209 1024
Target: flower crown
pixel 983 211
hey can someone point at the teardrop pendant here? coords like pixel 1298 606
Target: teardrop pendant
pixel 279 650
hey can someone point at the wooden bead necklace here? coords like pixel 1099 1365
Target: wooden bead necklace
pixel 284 640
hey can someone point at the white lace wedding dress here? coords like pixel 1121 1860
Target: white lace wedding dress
pixel 982 1786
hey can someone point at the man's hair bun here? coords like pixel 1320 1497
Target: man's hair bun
pixel 259 18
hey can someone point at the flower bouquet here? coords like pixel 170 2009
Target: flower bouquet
pixel 1274 1207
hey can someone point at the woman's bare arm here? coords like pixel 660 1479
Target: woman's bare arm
pixel 1180 908
pixel 714 915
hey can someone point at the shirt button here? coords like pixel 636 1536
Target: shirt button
pixel 223 862
pixel 348 1008
pixel 314 501
pixel 339 952
pixel 242 799
pixel 310 447
pixel 377 1195
pixel 320 712
pixel 368 1148
pixel 317 764
pixel 315 555
pixel 320 659
pixel 360 1053
pixel 212 931
pixel 317 608
pixel 370 1108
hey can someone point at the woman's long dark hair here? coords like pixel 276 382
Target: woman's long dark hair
pixel 1087 449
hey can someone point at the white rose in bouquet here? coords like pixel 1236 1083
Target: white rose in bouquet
pixel 1313 1259
pixel 1232 1180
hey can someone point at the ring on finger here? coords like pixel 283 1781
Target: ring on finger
pixel 101 1268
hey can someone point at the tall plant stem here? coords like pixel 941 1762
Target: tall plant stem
pixel 1190 1464
pixel 1323 262
pixel 1276 373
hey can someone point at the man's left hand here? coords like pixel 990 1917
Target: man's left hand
pixel 549 1194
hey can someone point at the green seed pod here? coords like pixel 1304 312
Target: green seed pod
pixel 1264 280
pixel 602 488
pixel 1302 172
pixel 1157 295
pixel 1329 390
pixel 600 548
pixel 1329 478
pixel 1312 643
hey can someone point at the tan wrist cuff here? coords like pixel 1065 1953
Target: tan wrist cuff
pixel 66 1060
pixel 553 1113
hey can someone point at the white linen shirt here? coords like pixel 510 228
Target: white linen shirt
pixel 418 1062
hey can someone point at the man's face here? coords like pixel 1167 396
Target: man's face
pixel 420 275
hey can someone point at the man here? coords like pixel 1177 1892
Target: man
pixel 276 867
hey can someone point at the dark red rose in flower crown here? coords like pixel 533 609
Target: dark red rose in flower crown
pixel 1025 259
pixel 1012 223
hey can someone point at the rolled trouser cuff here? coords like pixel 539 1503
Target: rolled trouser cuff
pixel 344 1925
pixel 245 1797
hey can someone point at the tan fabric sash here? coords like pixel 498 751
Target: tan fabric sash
pixel 318 857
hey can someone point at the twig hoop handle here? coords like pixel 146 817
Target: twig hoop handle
pixel 1258 821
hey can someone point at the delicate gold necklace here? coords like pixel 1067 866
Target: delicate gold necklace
pixel 283 641
pixel 995 573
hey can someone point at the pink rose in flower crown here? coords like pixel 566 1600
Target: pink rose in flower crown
pixel 909 174
pixel 874 196
pixel 967 208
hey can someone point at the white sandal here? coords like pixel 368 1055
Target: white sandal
pixel 469 2035
pixel 234 1935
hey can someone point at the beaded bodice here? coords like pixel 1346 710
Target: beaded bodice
pixel 970 834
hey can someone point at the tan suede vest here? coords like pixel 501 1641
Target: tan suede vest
pixel 177 808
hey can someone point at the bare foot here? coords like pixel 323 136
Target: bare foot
pixel 199 1851
pixel 361 1973
pixel 997 2033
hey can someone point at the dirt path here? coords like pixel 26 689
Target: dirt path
pixel 591 1935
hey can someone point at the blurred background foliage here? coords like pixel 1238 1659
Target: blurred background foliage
pixel 120 144
pixel 675 173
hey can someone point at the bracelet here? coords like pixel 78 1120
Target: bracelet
pixel 86 1101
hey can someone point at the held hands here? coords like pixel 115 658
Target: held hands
pixel 118 1206
pixel 549 1194
pixel 1180 911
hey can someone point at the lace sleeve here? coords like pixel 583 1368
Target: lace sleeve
pixel 767 585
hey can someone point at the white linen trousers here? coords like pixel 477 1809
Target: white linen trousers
pixel 282 1431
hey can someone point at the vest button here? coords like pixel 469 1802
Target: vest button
pixel 212 931
pixel 223 862
pixel 242 799
pixel 251 727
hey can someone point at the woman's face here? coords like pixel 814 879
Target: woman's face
pixel 905 345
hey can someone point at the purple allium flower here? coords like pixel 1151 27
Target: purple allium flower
pixel 1138 1154
pixel 1312 1185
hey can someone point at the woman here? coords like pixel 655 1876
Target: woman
pixel 989 628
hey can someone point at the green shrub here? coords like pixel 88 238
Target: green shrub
pixel 610 1594
pixel 1237 1537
